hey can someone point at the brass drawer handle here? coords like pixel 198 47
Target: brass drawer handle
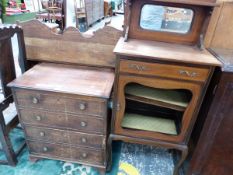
pixel 83 124
pixel 187 73
pixel 35 100
pixel 82 106
pixel 84 155
pixel 38 118
pixel 137 67
pixel 42 134
pixel 45 149
pixel 84 140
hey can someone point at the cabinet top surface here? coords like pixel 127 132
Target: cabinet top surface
pixel 165 52
pixel 67 79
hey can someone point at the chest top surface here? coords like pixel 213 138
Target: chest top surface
pixel 67 79
pixel 165 52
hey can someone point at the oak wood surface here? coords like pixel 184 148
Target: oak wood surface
pixel 220 28
pixel 67 79
pixel 165 52
pixel 71 46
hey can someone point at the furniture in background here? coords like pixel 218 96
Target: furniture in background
pixel 108 8
pixel 8 73
pixel 54 13
pixel 66 117
pixel 94 11
pixel 80 14
pixel 162 73
pixel 213 153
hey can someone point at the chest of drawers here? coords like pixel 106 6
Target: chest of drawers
pixel 63 110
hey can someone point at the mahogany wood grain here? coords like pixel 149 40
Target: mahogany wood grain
pixel 190 38
pixel 191 2
pixel 161 84
pixel 67 152
pixel 82 123
pixel 54 102
pixel 161 70
pixel 81 81
pixel 64 137
pixel 71 46
pixel 165 52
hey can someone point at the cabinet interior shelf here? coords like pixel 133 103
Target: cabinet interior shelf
pixel 148 123
pixel 173 99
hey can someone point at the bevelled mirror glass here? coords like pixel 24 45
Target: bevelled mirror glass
pixel 166 19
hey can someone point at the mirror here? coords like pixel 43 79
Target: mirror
pixel 166 19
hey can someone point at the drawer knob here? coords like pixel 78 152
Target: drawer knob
pixel 35 100
pixel 42 134
pixel 84 140
pixel 83 124
pixel 187 73
pixel 84 155
pixel 45 149
pixel 82 106
pixel 38 118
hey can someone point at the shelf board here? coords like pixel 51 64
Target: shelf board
pixel 172 99
pixel 148 123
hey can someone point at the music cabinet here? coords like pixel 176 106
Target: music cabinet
pixel 162 73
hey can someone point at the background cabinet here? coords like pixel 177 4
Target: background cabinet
pixel 94 10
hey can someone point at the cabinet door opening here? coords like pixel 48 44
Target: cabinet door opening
pixel 153 109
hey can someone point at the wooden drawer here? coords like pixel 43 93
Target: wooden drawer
pixel 164 70
pixel 66 152
pixel 64 136
pixel 80 122
pixel 56 102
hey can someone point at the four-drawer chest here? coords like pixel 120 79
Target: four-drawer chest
pixel 63 110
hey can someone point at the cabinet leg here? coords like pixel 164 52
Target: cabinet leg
pixel 33 159
pixel 184 154
pixel 109 147
pixel 102 171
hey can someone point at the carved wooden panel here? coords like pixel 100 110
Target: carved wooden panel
pixel 71 46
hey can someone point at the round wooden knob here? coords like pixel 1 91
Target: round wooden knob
pixel 84 155
pixel 45 149
pixel 38 118
pixel 42 134
pixel 83 124
pixel 35 100
pixel 82 106
pixel 84 140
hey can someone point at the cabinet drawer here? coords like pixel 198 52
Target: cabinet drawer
pixel 78 154
pixel 64 136
pixel 80 122
pixel 164 70
pixel 58 103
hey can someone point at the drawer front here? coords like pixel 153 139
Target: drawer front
pixel 80 122
pixel 164 70
pixel 63 136
pixel 67 152
pixel 55 102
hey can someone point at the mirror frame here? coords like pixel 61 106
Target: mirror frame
pixel 137 32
